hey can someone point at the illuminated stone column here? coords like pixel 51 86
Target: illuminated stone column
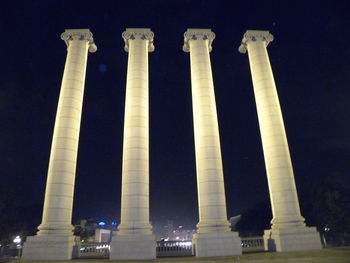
pixel 288 231
pixel 213 237
pixel 55 240
pixel 135 240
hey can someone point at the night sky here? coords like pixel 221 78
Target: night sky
pixel 310 58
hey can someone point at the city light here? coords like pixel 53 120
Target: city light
pixel 101 223
pixel 17 240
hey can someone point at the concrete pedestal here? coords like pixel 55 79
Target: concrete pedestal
pixel 292 239
pixel 133 247
pixel 51 248
pixel 217 244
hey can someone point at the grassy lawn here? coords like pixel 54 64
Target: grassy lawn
pixel 327 255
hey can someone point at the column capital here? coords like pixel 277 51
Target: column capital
pixel 79 34
pixel 254 35
pixel 197 34
pixel 138 33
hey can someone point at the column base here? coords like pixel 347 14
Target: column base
pixel 216 244
pixel 292 239
pixel 47 247
pixel 133 247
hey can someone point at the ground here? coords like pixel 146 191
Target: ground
pixel 327 255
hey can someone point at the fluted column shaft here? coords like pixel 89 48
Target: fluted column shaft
pixel 135 172
pixel 210 182
pixel 57 213
pixel 283 193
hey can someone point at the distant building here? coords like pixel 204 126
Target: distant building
pixel 173 233
pixel 90 230
pixel 103 235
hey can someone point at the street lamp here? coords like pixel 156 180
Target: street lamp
pixel 17 240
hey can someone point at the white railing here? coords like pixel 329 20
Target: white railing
pixel 166 248
pixel 252 244
pixel 94 250
pixel 174 248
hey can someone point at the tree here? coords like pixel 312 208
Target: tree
pixel 329 208
pixel 8 216
pixel 254 221
pixel 16 220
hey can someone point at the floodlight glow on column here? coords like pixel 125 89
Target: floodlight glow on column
pixel 55 240
pixel 134 240
pixel 288 231
pixel 214 236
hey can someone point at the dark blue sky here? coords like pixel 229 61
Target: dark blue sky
pixel 310 57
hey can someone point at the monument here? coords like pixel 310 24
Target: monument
pixel 288 231
pixel 213 237
pixel 55 240
pixel 135 239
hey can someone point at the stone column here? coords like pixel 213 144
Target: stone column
pixel 213 237
pixel 288 231
pixel 135 240
pixel 55 240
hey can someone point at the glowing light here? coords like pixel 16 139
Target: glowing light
pixel 101 223
pixel 17 240
pixel 185 244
